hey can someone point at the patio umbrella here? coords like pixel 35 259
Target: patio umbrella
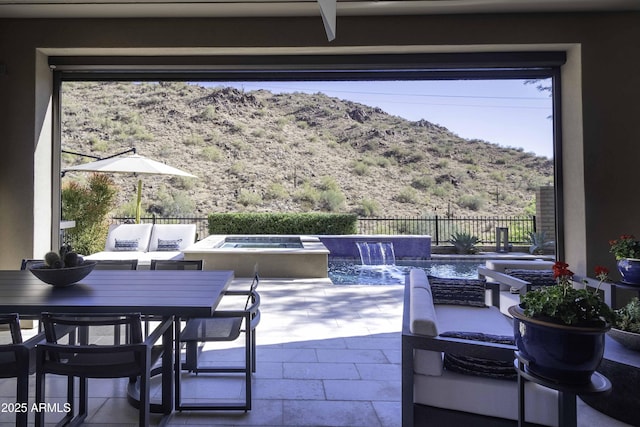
pixel 135 164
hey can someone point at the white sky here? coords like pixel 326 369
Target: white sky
pixel 505 112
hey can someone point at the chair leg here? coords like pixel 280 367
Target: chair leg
pixel 144 397
pixel 83 402
pixel 22 397
pixel 191 356
pixel 40 382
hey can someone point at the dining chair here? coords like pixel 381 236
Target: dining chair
pixel 17 360
pixel 28 263
pixel 224 325
pixel 176 264
pixel 76 346
pixel 116 264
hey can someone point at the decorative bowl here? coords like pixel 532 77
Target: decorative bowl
pixel 629 340
pixel 62 277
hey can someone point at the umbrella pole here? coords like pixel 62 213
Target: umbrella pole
pixel 139 202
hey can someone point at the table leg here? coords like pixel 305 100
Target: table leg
pixel 177 365
pixel 567 409
pixel 521 408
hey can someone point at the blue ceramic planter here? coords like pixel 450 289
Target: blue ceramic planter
pixel 629 269
pixel 556 352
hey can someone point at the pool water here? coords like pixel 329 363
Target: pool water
pixel 343 272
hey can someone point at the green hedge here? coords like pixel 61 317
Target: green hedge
pixel 282 223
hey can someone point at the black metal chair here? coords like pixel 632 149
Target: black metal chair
pixel 116 264
pixel 224 325
pixel 75 347
pixel 17 360
pixel 175 264
pixel 28 263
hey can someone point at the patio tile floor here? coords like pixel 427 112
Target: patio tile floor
pixel 327 356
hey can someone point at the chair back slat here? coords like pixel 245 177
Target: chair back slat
pixel 116 264
pixel 176 264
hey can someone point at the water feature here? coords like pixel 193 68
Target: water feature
pixel 376 253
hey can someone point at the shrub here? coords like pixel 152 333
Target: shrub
pixel 88 206
pixel 332 200
pixel 212 154
pixel 249 198
pixel 276 191
pixel 368 207
pixel 407 195
pixel 423 182
pixel 360 168
pixel 193 140
pixel 472 202
pixel 282 223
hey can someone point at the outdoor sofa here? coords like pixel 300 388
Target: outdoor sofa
pixel 434 391
pixel 515 278
pixel 145 242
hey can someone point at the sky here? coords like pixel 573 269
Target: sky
pixel 509 113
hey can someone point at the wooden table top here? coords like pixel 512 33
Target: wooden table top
pixel 157 292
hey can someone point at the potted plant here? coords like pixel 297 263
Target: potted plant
pixel 626 328
pixel 560 330
pixel 626 249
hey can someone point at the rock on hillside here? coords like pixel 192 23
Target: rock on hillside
pixel 260 151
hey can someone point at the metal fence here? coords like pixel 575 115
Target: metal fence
pixel 439 228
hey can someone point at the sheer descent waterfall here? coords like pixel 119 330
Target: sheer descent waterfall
pixel 376 253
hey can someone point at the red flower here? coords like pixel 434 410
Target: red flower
pixel 600 270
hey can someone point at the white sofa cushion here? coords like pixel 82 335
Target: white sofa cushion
pixel 175 237
pixel 128 232
pixel 491 397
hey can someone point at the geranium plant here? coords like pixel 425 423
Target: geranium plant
pixel 562 303
pixel 625 247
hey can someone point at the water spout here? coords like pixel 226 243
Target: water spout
pixel 376 253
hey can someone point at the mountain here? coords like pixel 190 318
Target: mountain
pixel 266 152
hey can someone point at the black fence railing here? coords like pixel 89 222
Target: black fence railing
pixel 439 228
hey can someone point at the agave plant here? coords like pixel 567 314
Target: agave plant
pixel 539 242
pixel 465 243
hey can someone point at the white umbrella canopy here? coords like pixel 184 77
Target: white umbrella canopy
pixel 135 164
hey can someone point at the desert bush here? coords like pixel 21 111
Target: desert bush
pixel 368 207
pixel 249 198
pixel 471 201
pixel 276 191
pixel 88 205
pixel 211 153
pixel 360 168
pixel 332 200
pixel 464 243
pixel 407 195
pixel 193 139
pixel 423 182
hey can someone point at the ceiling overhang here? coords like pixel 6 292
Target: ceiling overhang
pixel 327 9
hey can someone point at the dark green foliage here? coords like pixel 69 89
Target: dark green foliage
pixel 465 243
pixel 628 317
pixel 88 206
pixel 282 223
pixel 567 305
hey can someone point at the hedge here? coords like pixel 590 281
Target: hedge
pixel 282 223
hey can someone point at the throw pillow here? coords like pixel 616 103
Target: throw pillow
pixel 477 366
pixel 457 291
pixel 169 245
pixel 537 278
pixel 126 245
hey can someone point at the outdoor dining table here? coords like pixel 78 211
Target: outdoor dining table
pixel 162 293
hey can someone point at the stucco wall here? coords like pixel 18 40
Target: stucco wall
pixel 600 122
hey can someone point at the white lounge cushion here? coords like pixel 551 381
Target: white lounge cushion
pixel 422 316
pixel 487 320
pixel 128 232
pixel 182 235
pixel 491 397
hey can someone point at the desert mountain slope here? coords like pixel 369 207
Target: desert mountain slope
pixel 260 151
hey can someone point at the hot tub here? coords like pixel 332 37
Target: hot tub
pixel 274 255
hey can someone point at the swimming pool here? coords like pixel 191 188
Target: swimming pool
pixel 351 272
